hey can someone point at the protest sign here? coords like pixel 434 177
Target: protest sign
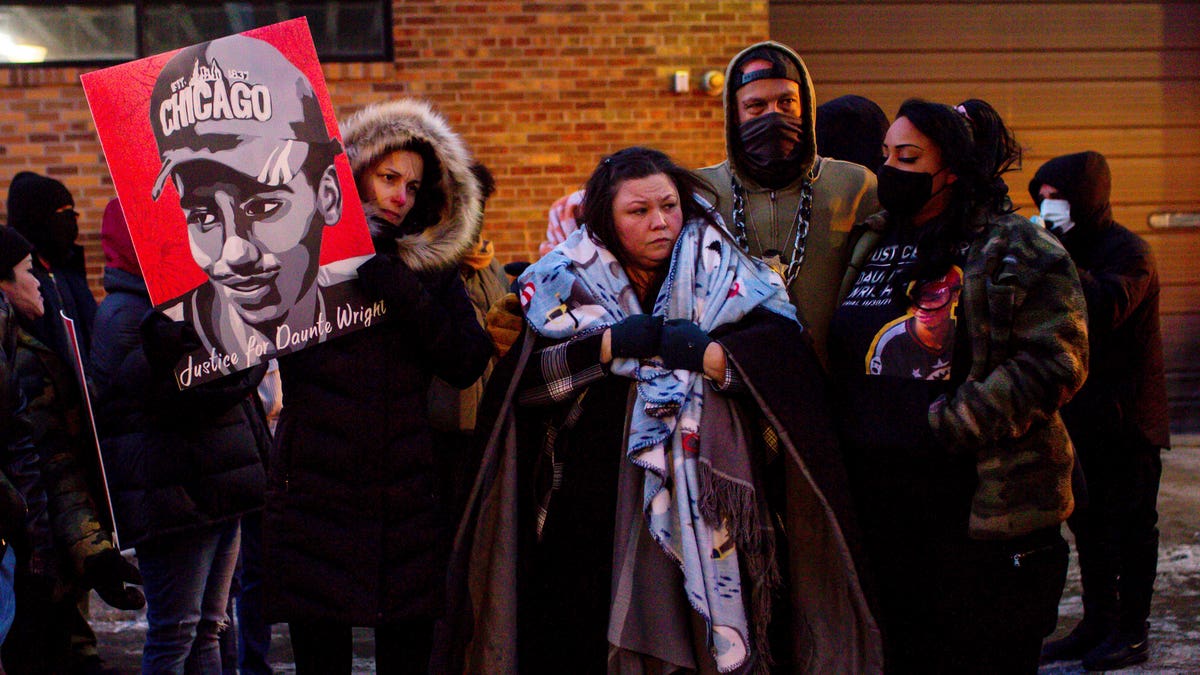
pixel 240 201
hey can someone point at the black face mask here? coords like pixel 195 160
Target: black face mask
pixel 903 193
pixel 62 228
pixel 772 145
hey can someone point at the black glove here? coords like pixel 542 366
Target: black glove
pixel 514 270
pixel 165 341
pixel 387 278
pixel 683 345
pixel 636 336
pixel 108 572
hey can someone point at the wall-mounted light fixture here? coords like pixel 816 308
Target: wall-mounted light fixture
pixel 1174 220
pixel 713 82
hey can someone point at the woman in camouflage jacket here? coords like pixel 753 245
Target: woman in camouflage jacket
pixel 961 332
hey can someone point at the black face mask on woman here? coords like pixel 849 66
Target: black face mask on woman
pixel 903 193
pixel 772 144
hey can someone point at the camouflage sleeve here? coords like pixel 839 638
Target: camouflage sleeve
pixel 1041 351
pixel 54 415
pixel 23 467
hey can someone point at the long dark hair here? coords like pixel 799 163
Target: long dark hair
pixel 631 164
pixel 996 146
pixel 971 192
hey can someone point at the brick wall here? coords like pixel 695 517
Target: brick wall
pixel 539 89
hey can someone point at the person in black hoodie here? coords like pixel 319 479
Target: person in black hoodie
pixel 1119 419
pixel 43 211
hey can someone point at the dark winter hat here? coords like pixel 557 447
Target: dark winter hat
pixel 13 249
pixel 852 128
pixel 32 200
pixel 1085 182
pixel 239 102
pixel 782 67
pixel 116 242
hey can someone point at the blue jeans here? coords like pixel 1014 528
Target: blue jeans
pixel 186 581
pixel 8 601
pixel 254 633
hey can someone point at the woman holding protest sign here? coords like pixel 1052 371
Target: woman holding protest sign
pixel 356 532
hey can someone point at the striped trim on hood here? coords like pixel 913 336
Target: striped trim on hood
pixel 381 128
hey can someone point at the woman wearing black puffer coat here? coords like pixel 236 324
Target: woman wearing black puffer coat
pixel 356 532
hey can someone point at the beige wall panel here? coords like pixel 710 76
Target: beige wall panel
pixel 826 26
pixel 1042 144
pixel 1176 254
pixel 1049 105
pixel 862 67
pixel 1136 180
pixel 1180 300
pixel 1181 340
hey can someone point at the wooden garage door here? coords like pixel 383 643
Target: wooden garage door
pixel 1119 78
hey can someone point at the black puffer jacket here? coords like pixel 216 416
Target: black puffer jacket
pixel 1124 398
pixel 174 460
pixel 355 531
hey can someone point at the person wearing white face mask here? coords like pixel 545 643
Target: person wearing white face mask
pixel 1056 215
pixel 1119 419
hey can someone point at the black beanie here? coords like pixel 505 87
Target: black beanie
pixel 852 128
pixel 32 200
pixel 13 249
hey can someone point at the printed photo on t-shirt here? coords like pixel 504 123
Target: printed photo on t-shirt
pixel 920 343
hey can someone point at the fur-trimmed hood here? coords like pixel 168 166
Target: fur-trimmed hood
pixel 381 128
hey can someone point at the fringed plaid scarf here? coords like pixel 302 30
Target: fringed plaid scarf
pixel 699 501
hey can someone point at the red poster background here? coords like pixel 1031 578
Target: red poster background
pixel 119 98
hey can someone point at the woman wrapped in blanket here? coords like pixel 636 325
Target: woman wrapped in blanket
pixel 660 490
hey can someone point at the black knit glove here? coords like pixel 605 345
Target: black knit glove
pixel 683 345
pixel 514 270
pixel 165 341
pixel 636 336
pixel 108 572
pixel 387 278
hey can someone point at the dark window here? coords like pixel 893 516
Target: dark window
pixel 71 33
pixel 91 33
